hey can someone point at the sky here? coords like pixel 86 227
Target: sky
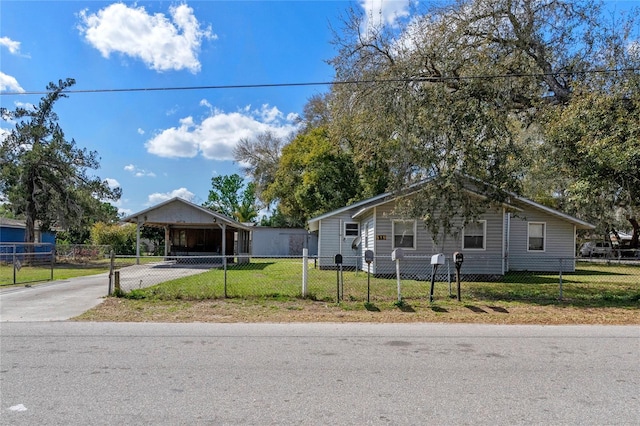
pixel 159 144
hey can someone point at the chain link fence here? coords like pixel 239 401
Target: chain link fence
pixel 210 277
pixel 25 263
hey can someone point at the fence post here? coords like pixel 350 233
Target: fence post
pixel 224 267
pixel 13 262
pixel 111 264
pixel 53 260
pixel 560 297
pixel 305 270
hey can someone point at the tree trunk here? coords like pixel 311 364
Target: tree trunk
pixel 636 230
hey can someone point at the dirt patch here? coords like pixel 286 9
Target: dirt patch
pixel 236 310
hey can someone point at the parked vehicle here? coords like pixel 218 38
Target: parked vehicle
pixel 596 249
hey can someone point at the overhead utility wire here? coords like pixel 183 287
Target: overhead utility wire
pixel 327 83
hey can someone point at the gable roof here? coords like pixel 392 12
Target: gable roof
pixel 381 199
pixel 143 216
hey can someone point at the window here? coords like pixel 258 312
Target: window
pixel 404 233
pixel 474 235
pixel 351 229
pixel 536 236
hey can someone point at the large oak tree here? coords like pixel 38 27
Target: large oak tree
pixel 44 176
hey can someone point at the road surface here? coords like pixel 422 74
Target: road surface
pixel 317 374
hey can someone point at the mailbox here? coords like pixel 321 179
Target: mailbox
pixel 458 258
pixel 368 256
pixel 338 259
pixel 437 259
pixel 397 254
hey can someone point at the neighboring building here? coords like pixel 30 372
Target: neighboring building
pixel 266 241
pixel 13 230
pixel 192 230
pixel 517 236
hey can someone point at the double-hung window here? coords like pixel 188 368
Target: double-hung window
pixel 536 236
pixel 474 235
pixel 404 233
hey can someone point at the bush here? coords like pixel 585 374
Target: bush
pixel 121 238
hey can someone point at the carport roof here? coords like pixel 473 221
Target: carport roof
pixel 162 218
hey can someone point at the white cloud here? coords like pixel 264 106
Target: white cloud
pixel 137 172
pixel 158 197
pixel 9 83
pixel 161 43
pixel 112 183
pixel 140 131
pixel 216 136
pixel 13 46
pixel 379 13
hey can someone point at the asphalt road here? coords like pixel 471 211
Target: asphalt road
pixel 316 374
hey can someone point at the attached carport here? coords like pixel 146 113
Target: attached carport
pixel 192 230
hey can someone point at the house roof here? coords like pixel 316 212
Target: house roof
pixel 214 216
pixel 364 205
pixel 15 223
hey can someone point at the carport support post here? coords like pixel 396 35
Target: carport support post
pixel 305 270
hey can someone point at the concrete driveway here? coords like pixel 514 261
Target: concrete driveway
pixel 65 299
pixel 54 301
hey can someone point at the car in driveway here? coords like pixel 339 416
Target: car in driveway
pixel 596 249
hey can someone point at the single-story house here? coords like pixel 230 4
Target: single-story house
pixel 13 231
pixel 267 241
pixel 518 235
pixel 192 230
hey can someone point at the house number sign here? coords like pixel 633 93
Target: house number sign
pixel 381 237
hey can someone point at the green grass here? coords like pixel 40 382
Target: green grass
pixel 591 285
pixel 35 274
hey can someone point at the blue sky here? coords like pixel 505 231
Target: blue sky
pixel 159 144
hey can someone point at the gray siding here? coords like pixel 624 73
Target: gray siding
pixel 282 242
pixel 332 241
pixel 179 213
pixel 487 261
pixel 559 244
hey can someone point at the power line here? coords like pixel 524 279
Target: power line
pixel 426 79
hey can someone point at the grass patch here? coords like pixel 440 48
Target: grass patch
pixel 35 274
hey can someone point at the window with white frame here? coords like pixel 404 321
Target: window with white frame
pixel 474 235
pixel 351 229
pixel 537 236
pixel 404 233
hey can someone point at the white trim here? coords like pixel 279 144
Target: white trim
pixel 544 236
pixel 344 229
pixel 415 233
pixel 484 237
